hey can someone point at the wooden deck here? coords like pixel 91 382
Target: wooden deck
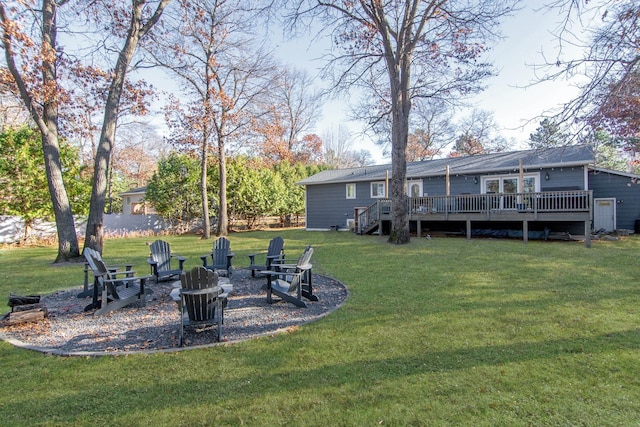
pixel 548 206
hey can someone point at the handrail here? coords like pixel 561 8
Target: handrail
pixel 545 201
pixel 540 202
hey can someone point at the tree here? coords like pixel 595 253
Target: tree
pixel 142 15
pixel 479 134
pixel 173 189
pixel 609 67
pixel 25 191
pixel 547 135
pixel 293 107
pixel 32 66
pixel 384 44
pixel 224 73
pixel 433 130
pixel 251 188
pixel 339 152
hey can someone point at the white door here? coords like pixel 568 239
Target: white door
pixel 604 214
pixel 414 188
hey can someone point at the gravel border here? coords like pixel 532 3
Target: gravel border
pixel 70 331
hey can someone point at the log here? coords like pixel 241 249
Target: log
pixel 17 317
pixel 27 307
pixel 15 300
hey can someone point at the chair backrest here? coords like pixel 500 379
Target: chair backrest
pixel 199 307
pixel 305 259
pixel 275 247
pixel 221 248
pixel 100 270
pixel 91 255
pixel 161 253
pixel 304 263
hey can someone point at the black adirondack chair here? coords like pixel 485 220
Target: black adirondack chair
pixel 200 300
pixel 160 261
pixel 117 292
pixel 274 254
pixel 291 282
pixel 221 257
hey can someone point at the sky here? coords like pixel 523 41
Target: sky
pixel 516 104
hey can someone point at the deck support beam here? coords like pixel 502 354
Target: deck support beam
pixel 468 229
pixel 525 231
pixel 587 233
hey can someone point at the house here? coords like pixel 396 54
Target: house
pixel 133 202
pixel 532 191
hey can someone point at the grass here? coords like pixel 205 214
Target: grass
pixel 437 332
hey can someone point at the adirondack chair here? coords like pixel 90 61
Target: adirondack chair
pixel 160 261
pixel 221 257
pixel 274 253
pixel 291 282
pixel 117 292
pixel 94 290
pixel 200 300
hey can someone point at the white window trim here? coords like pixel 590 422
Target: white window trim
pixel 351 184
pixel 383 189
pixel 536 175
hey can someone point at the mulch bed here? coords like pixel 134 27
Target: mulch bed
pixel 69 330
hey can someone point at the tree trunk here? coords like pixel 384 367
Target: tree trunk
pixel 206 223
pixel 399 71
pixel 94 233
pixel 223 217
pixel 68 247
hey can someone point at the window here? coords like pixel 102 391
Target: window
pixel 510 183
pixel 377 190
pixel 351 191
pixel 507 185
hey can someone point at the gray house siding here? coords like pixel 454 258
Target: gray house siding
pixel 625 189
pixel 328 206
pixel 562 179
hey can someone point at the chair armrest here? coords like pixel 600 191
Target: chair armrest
pixel 127 279
pixel 127 267
pixel 129 274
pixel 287 266
pixel 252 257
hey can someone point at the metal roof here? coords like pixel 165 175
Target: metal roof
pixel 574 155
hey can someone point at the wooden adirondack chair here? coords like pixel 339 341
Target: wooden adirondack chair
pixel 221 257
pixel 291 282
pixel 117 292
pixel 275 253
pixel 160 261
pixel 201 300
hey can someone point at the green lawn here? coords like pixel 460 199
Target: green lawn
pixel 437 332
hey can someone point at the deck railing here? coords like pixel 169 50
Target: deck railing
pixel 542 202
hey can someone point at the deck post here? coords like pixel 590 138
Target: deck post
pixel 418 227
pixel 468 229
pixel 587 233
pixel 525 231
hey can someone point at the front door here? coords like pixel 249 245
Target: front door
pixel 604 214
